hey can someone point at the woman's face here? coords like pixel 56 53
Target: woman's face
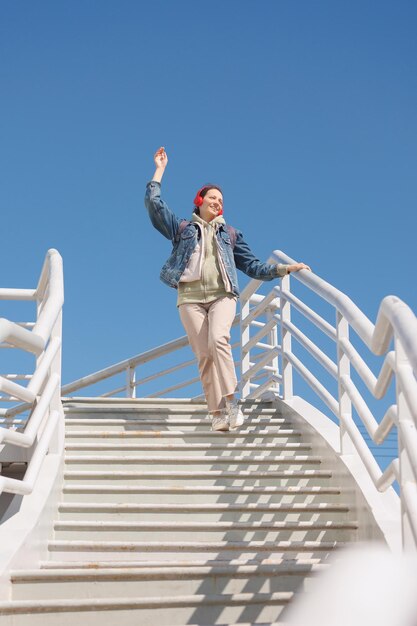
pixel 212 204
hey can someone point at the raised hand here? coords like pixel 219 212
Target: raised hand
pixel 160 158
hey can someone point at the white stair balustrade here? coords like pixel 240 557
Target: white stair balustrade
pixel 158 520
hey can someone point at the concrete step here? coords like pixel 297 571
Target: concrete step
pixel 167 550
pixel 178 478
pixel 184 431
pixel 155 445
pixel 194 463
pixel 156 610
pixel 179 452
pixel 142 582
pixel 198 494
pixel 115 423
pixel 157 406
pixel 123 564
pixel 291 512
pixel 200 531
pixel 218 450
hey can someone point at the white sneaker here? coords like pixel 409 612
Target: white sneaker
pixel 235 415
pixel 219 422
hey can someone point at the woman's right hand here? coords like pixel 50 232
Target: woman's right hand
pixel 160 158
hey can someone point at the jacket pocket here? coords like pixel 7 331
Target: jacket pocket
pixel 225 237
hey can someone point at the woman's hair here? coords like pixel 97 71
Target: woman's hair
pixel 207 188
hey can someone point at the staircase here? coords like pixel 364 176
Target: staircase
pixel 117 510
pixel 162 521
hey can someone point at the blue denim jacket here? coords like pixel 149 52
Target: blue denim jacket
pixel 240 256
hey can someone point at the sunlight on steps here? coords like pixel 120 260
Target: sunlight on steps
pixel 162 521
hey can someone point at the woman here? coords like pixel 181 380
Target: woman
pixel 202 267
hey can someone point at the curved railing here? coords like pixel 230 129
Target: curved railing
pixel 41 397
pixel 268 335
pixel 395 321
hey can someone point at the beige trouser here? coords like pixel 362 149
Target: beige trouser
pixel 208 330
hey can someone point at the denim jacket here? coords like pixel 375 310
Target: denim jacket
pixel 240 256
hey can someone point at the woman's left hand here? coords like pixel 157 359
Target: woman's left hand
pixel 298 266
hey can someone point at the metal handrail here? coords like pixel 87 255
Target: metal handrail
pixel 41 397
pixel 395 320
pixel 272 361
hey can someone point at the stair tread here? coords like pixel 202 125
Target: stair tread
pixel 218 506
pixel 148 573
pixel 199 489
pixel 309 473
pixel 188 446
pixel 37 606
pixel 96 565
pixel 181 545
pixel 250 525
pixel 192 459
pixel 195 433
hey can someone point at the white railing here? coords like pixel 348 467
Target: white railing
pixel 30 439
pixel 395 321
pixel 268 361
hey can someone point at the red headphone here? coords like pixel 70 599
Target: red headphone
pixel 198 200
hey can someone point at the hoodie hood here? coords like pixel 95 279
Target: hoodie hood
pixel 214 222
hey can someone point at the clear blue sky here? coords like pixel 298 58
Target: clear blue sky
pixel 304 112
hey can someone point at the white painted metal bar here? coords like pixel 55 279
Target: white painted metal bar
pixel 264 346
pixel 44 364
pixel 108 372
pixel 408 385
pixel 316 352
pixel 16 376
pixel 394 319
pixel 174 388
pixel 409 498
pixel 25 486
pixel 360 405
pixel 260 355
pixel 362 449
pixel 20 337
pixel 170 370
pixel 267 386
pixel 267 371
pixel 315 384
pixel 391 473
pixel 131 382
pixel 254 368
pixel 13 389
pixel 259 335
pixel 113 392
pixel 42 338
pixel 343 372
pixel 259 309
pixel 17 294
pixel 377 386
pixel 27 438
pixel 286 341
pixel 389 420
pixel 309 314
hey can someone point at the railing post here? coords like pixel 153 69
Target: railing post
pixel 244 358
pixel 273 341
pixel 56 402
pixel 130 382
pixel 343 369
pixel 287 385
pixel 405 422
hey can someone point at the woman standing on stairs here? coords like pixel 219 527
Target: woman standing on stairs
pixel 202 267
